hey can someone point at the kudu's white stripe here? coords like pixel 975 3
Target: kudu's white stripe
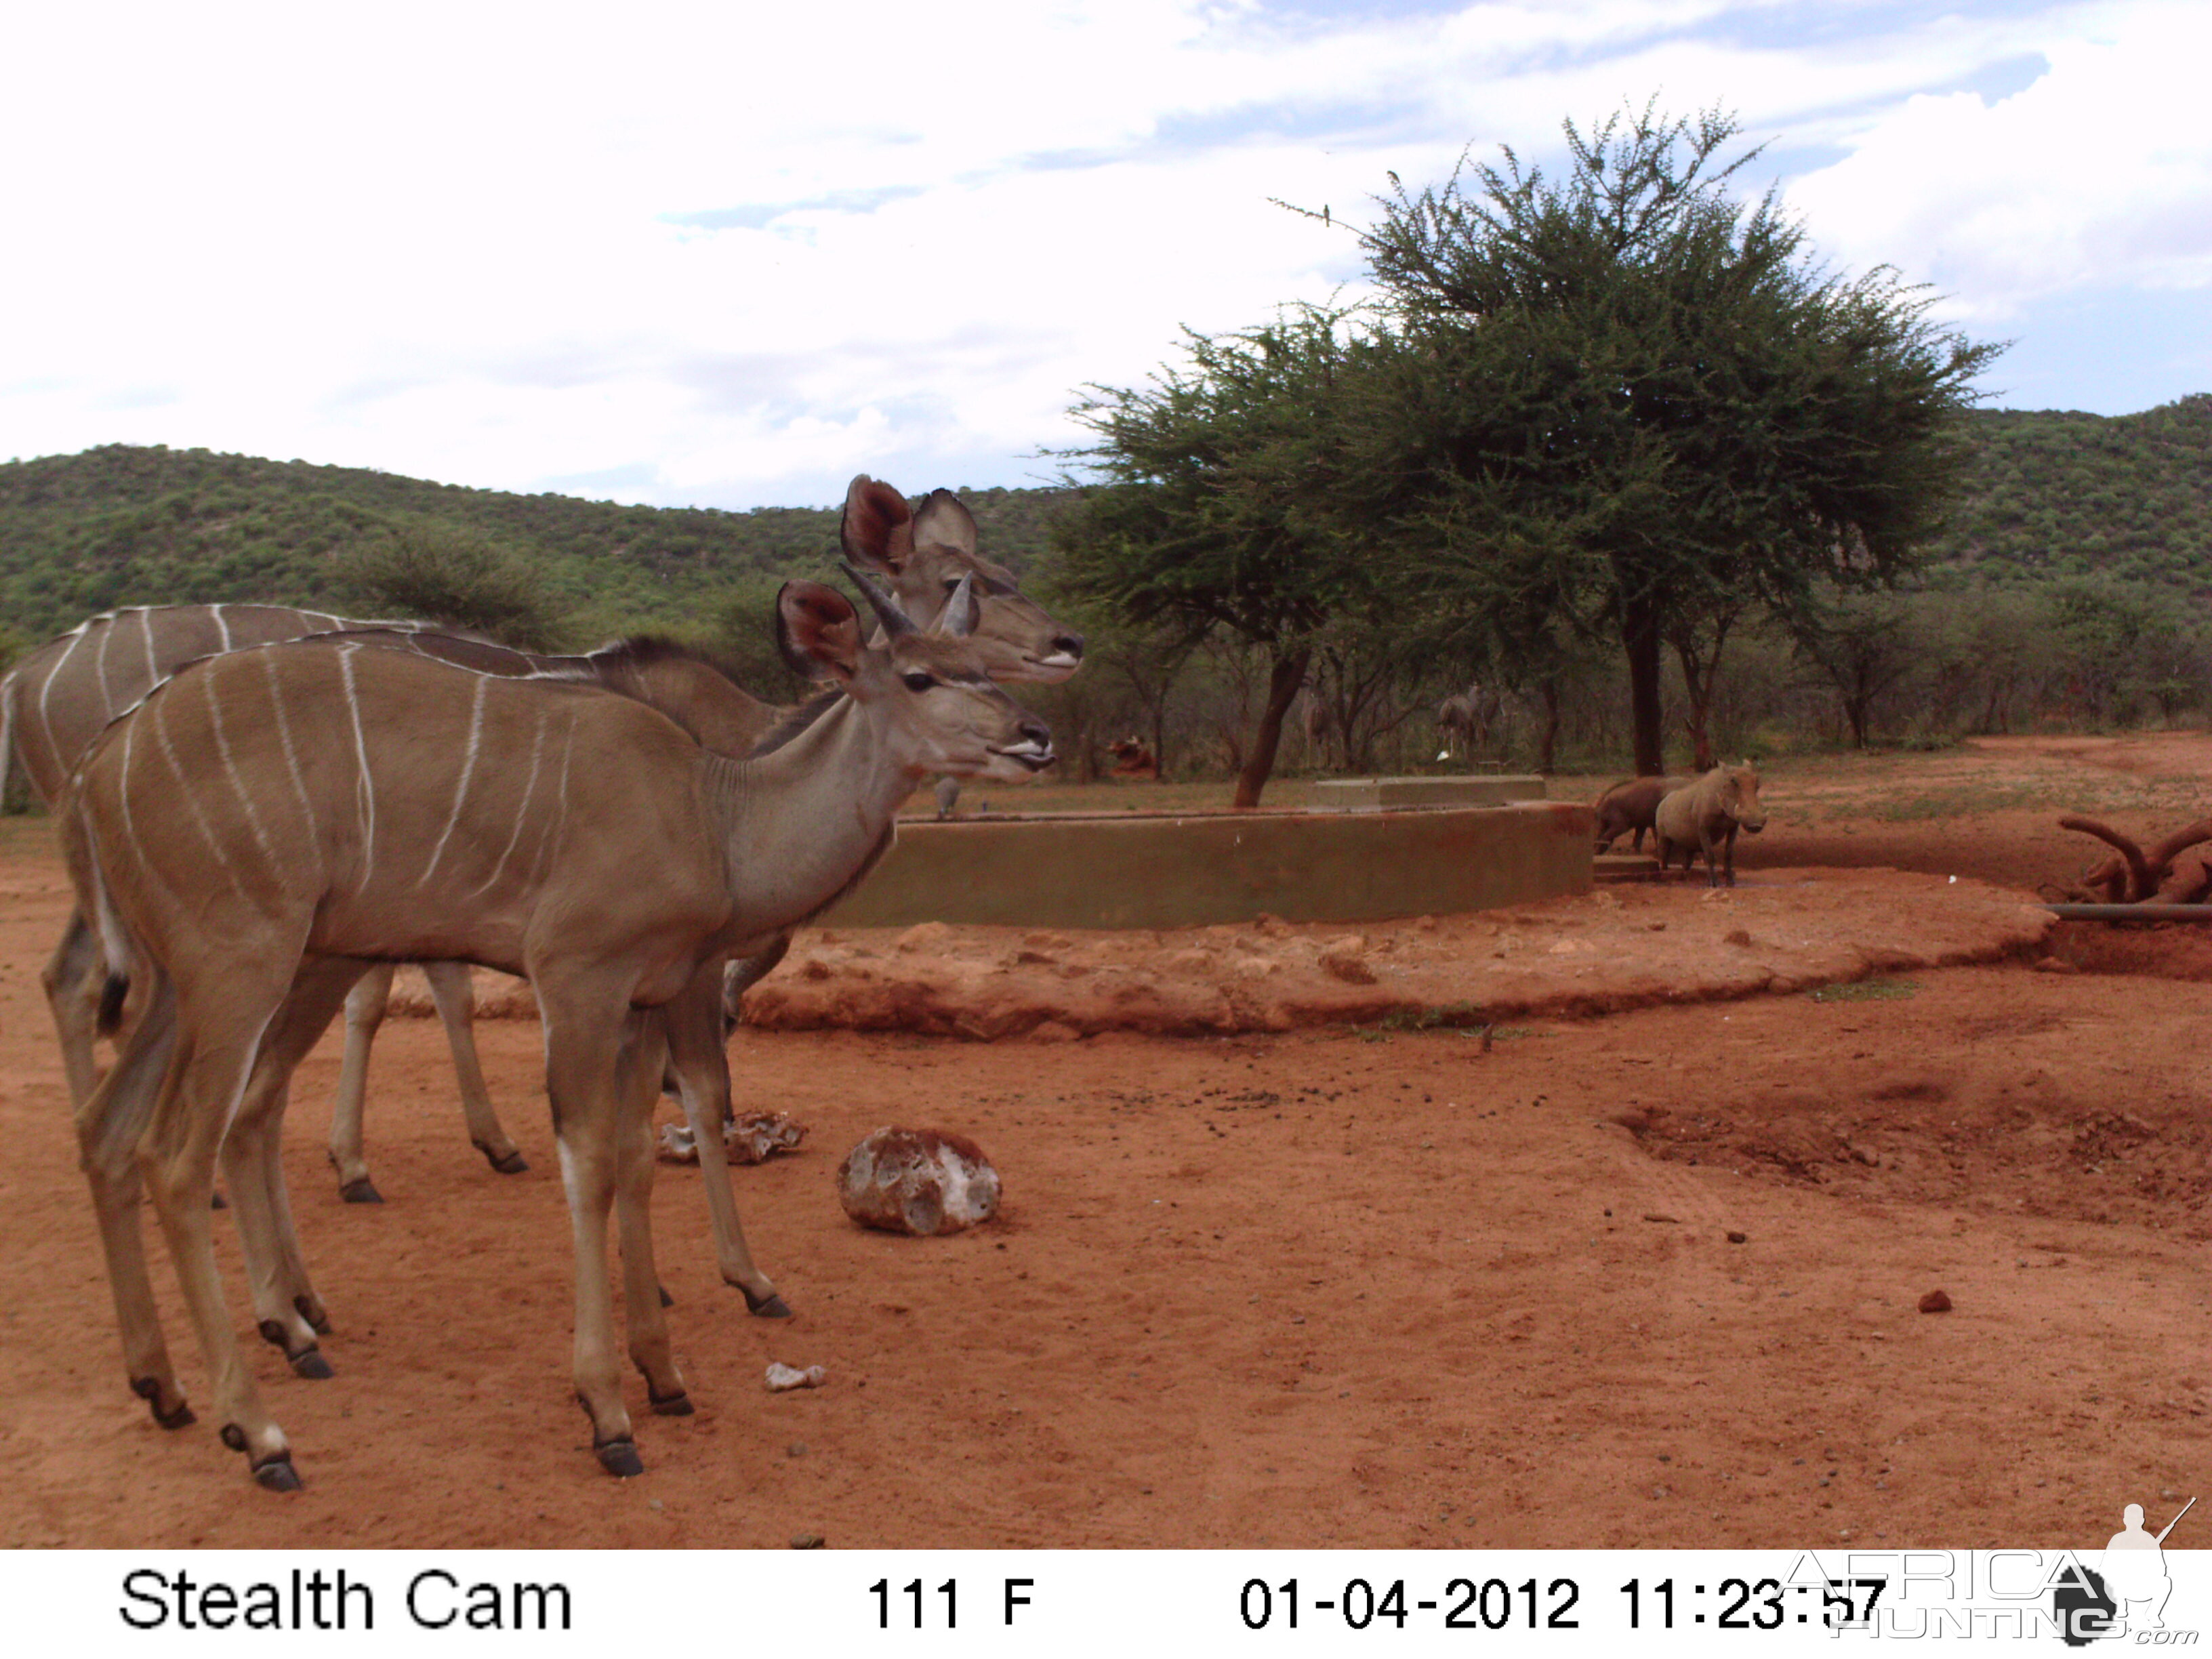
pixel 461 789
pixel 521 810
pixel 223 627
pixel 549 842
pixel 153 667
pixel 364 787
pixel 123 784
pixel 284 735
pixel 158 709
pixel 230 765
pixel 63 765
pixel 99 667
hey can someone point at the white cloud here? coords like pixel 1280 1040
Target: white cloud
pixel 2099 173
pixel 480 244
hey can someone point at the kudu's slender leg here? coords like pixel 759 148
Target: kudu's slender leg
pixel 74 977
pixel 286 1309
pixel 638 1069
pixel 449 990
pixel 701 1065
pixel 585 1018
pixel 364 1013
pixel 109 1123
pixel 201 1091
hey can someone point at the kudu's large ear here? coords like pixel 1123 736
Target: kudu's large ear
pixel 963 610
pixel 817 630
pixel 944 522
pixel 877 530
pixel 888 610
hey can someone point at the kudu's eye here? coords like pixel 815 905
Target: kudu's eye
pixel 918 680
pixel 951 583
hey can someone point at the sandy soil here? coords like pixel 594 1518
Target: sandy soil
pixel 1343 1284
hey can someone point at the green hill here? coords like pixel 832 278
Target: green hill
pixel 2059 494
pixel 122 525
pixel 2049 494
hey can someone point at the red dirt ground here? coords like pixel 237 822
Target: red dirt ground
pixel 1326 1286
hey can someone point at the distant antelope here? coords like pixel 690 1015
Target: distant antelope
pixel 57 699
pixel 1466 714
pixel 267 820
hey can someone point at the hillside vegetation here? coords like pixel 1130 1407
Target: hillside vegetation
pixel 2068 593
pixel 121 525
pixel 2062 493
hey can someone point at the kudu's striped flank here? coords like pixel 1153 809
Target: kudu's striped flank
pixel 267 820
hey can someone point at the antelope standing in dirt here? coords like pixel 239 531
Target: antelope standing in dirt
pixel 58 700
pixel 267 820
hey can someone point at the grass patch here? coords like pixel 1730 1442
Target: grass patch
pixel 1865 990
pixel 1454 1015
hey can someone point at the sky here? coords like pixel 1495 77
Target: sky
pixel 730 255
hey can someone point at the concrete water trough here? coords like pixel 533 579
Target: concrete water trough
pixel 1188 870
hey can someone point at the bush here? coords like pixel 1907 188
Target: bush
pixel 457 579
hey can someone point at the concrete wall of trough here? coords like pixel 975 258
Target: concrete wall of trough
pixel 1194 871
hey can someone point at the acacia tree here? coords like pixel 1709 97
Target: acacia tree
pixel 1627 393
pixel 1220 505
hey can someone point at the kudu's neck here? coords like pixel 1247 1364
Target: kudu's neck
pixel 801 822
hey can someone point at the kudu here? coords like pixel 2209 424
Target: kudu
pixel 56 700
pixel 921 558
pixel 267 819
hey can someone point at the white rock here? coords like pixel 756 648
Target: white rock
pixel 921 1182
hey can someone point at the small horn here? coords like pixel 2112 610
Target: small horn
pixel 896 622
pixel 963 609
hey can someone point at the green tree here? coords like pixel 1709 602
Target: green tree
pixel 442 573
pixel 1223 505
pixel 1629 390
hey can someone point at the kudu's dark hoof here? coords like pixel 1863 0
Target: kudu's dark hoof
pixel 674 1405
pixel 667 1300
pixel 308 1362
pixel 771 1306
pixel 150 1390
pixel 317 1321
pixel 619 1458
pixel 362 1191
pixel 505 1164
pixel 276 1473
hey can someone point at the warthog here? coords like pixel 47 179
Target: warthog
pixel 1632 806
pixel 1705 813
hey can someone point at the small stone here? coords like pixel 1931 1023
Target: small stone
pixel 654 1504
pixel 1345 959
pixel 1736 936
pixel 796 1448
pixel 806 1540
pixel 1656 927
pixel 1739 1238
pixel 2054 965
pixel 1671 1220
pixel 781 1378
pixel 925 936
pixel 1935 1302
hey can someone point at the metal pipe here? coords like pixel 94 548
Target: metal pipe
pixel 2131 912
